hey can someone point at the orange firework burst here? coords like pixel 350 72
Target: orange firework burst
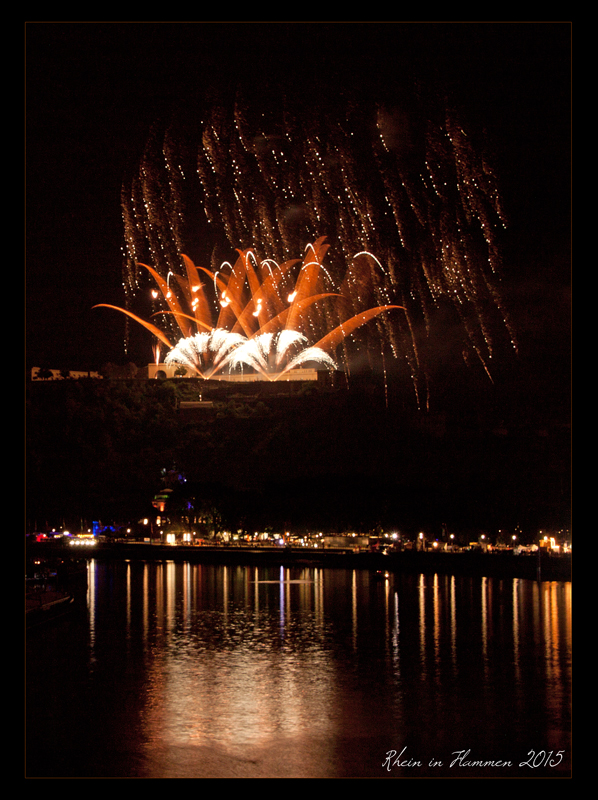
pixel 266 319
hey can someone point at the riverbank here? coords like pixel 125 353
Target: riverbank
pixel 474 563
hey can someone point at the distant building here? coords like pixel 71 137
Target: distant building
pixel 42 374
pixel 162 371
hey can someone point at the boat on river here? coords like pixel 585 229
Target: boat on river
pixel 51 587
pixel 44 605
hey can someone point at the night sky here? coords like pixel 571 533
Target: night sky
pixel 94 90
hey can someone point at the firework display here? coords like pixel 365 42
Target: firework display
pixel 406 184
pixel 266 314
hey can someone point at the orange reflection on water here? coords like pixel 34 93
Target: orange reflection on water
pixel 252 671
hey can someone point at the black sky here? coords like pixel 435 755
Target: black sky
pixel 93 90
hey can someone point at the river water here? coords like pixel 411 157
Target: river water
pixel 179 670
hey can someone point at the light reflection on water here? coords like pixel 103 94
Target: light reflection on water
pixel 186 670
